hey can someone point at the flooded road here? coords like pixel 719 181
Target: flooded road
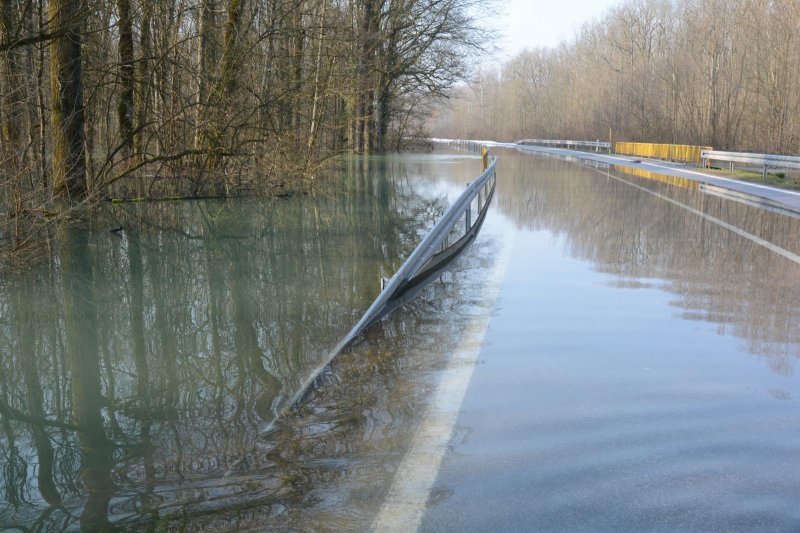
pixel 639 373
pixel 635 360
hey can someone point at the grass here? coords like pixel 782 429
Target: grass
pixel 775 178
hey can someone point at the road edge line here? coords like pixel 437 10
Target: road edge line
pixel 405 504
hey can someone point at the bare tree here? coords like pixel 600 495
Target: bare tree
pixel 179 97
pixel 69 164
pixel 684 71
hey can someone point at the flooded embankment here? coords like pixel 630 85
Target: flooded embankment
pixel 140 367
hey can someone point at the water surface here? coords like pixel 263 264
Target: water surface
pixel 139 367
pixel 640 373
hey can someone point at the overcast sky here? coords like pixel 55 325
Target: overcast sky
pixel 532 23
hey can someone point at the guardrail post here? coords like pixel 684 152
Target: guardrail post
pixel 765 172
pixel 468 218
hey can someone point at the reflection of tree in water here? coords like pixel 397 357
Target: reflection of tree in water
pixel 719 276
pixel 143 367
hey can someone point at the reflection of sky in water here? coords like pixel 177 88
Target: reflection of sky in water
pixel 638 373
pixel 712 274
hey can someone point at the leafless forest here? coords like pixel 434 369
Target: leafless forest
pixel 147 97
pixel 706 72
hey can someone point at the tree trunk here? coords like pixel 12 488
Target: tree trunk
pixel 227 85
pixel 366 93
pixel 382 115
pixel 205 63
pixel 40 99
pixel 66 80
pixel 143 93
pixel 297 51
pixel 10 86
pixel 125 109
pixel 231 59
pixel 312 128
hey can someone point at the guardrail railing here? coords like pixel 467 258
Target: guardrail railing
pixel 597 145
pixel 475 142
pixel 429 258
pixel 766 161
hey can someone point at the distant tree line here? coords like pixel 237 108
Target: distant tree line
pixel 93 92
pixel 708 72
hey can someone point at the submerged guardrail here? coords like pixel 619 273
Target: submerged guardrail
pixel 428 259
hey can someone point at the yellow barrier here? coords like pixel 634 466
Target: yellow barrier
pixel 669 152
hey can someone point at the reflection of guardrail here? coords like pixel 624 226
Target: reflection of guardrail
pixel 427 260
pixel 670 152
pixel 597 145
pixel 766 161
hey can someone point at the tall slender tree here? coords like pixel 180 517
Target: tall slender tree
pixel 66 78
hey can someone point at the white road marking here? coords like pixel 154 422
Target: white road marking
pixel 740 182
pixel 597 157
pixel 758 240
pixel 626 159
pixel 405 504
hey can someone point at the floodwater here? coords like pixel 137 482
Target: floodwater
pixel 637 372
pixel 139 369
pixel 640 372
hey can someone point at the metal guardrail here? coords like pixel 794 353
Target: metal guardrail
pixel 761 160
pixel 428 259
pixel 597 145
pixel 473 143
pixel 430 256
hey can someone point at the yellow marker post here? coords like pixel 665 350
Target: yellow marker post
pixel 485 157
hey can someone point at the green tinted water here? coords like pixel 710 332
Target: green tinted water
pixel 139 367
